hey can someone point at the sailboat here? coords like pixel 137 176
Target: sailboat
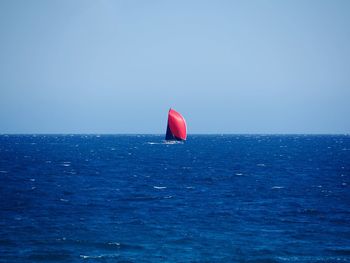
pixel 176 129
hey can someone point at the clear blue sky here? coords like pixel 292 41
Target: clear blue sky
pixel 228 66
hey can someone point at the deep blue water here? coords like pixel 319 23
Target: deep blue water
pixel 239 198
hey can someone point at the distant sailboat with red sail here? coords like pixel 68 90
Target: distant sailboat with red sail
pixel 176 129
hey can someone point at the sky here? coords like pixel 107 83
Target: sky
pixel 86 66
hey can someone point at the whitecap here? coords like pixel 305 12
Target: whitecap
pixel 100 256
pixel 64 200
pixel 114 243
pixel 277 187
pixel 172 142
pixel 32 180
pixel 261 164
pixel 238 174
pixel 159 187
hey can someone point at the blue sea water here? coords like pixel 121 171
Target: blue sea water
pixel 230 198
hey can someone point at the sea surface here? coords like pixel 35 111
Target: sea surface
pixel 217 198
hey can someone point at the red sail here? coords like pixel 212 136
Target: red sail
pixel 176 126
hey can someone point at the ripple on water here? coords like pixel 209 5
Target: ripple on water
pixel 159 187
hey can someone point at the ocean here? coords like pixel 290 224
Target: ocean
pixel 214 198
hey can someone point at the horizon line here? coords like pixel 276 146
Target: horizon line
pixel 161 134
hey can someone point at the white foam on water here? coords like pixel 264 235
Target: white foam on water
pixel 261 164
pixel 277 187
pixel 159 187
pixel 164 143
pixel 64 200
pixel 114 243
pixel 151 143
pixel 172 142
pixel 99 256
pixel 238 174
pixel 312 259
pixel 32 180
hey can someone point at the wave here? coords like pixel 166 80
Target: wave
pixel 100 256
pixel 277 187
pixel 164 143
pixel 313 259
pixel 159 187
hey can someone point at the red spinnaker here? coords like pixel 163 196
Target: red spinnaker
pixel 176 128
